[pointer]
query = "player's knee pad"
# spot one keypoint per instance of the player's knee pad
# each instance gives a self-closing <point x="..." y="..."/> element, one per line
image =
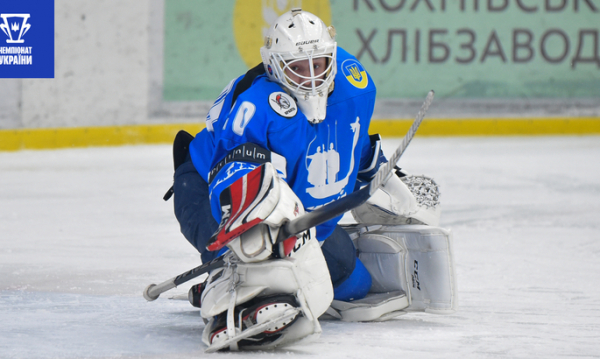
<point x="302" y="275"/>
<point x="415" y="259"/>
<point x="402" y="200"/>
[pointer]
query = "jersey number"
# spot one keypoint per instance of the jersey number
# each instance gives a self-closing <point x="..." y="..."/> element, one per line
<point x="243" y="116"/>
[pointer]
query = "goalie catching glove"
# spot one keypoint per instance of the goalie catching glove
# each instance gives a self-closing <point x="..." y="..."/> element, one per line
<point x="403" y="199"/>
<point x="253" y="209"/>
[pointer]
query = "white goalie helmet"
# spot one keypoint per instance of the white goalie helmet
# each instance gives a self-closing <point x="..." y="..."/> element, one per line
<point x="297" y="36"/>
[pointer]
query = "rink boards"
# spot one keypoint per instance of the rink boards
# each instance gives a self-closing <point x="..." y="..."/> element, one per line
<point x="50" y="138"/>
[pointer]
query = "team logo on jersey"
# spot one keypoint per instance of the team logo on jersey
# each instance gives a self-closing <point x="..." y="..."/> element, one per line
<point x="325" y="167"/>
<point x="355" y="73"/>
<point x="283" y="104"/>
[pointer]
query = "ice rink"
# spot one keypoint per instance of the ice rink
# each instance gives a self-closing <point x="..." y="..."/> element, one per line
<point x="84" y="231"/>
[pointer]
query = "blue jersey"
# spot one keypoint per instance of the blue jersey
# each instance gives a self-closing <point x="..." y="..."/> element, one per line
<point x="320" y="162"/>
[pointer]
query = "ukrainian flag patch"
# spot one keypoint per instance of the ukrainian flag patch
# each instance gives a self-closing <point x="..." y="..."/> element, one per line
<point x="355" y="73"/>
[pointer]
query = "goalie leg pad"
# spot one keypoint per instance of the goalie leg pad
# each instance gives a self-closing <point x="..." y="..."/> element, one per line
<point x="302" y="275"/>
<point x="415" y="259"/>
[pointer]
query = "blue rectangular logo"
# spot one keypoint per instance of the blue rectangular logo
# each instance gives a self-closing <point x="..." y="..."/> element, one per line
<point x="27" y="39"/>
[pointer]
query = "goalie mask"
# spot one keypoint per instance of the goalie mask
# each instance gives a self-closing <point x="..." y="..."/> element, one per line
<point x="300" y="55"/>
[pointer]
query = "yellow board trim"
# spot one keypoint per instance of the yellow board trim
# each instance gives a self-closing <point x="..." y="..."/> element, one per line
<point x="490" y="126"/>
<point x="52" y="138"/>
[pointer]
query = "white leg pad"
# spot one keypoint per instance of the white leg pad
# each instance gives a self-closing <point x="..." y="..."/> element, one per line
<point x="415" y="259"/>
<point x="303" y="275"/>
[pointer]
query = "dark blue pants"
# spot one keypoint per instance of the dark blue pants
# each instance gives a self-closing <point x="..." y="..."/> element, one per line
<point x="192" y="209"/>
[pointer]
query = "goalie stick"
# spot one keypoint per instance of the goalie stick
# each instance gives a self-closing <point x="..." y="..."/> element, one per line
<point x="310" y="219"/>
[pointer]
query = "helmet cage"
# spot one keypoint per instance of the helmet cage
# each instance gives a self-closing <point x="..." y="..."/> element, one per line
<point x="312" y="85"/>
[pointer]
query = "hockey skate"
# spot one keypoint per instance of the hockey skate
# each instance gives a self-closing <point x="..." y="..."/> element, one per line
<point x="267" y="304"/>
<point x="259" y="324"/>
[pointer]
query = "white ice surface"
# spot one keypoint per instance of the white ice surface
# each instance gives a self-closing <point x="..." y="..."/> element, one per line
<point x="83" y="231"/>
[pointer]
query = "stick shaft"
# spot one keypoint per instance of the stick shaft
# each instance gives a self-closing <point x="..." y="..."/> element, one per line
<point x="153" y="291"/>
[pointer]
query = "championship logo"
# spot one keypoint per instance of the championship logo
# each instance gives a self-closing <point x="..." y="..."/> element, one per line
<point x="355" y="74"/>
<point x="15" y="26"/>
<point x="27" y="39"/>
<point x="283" y="104"/>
